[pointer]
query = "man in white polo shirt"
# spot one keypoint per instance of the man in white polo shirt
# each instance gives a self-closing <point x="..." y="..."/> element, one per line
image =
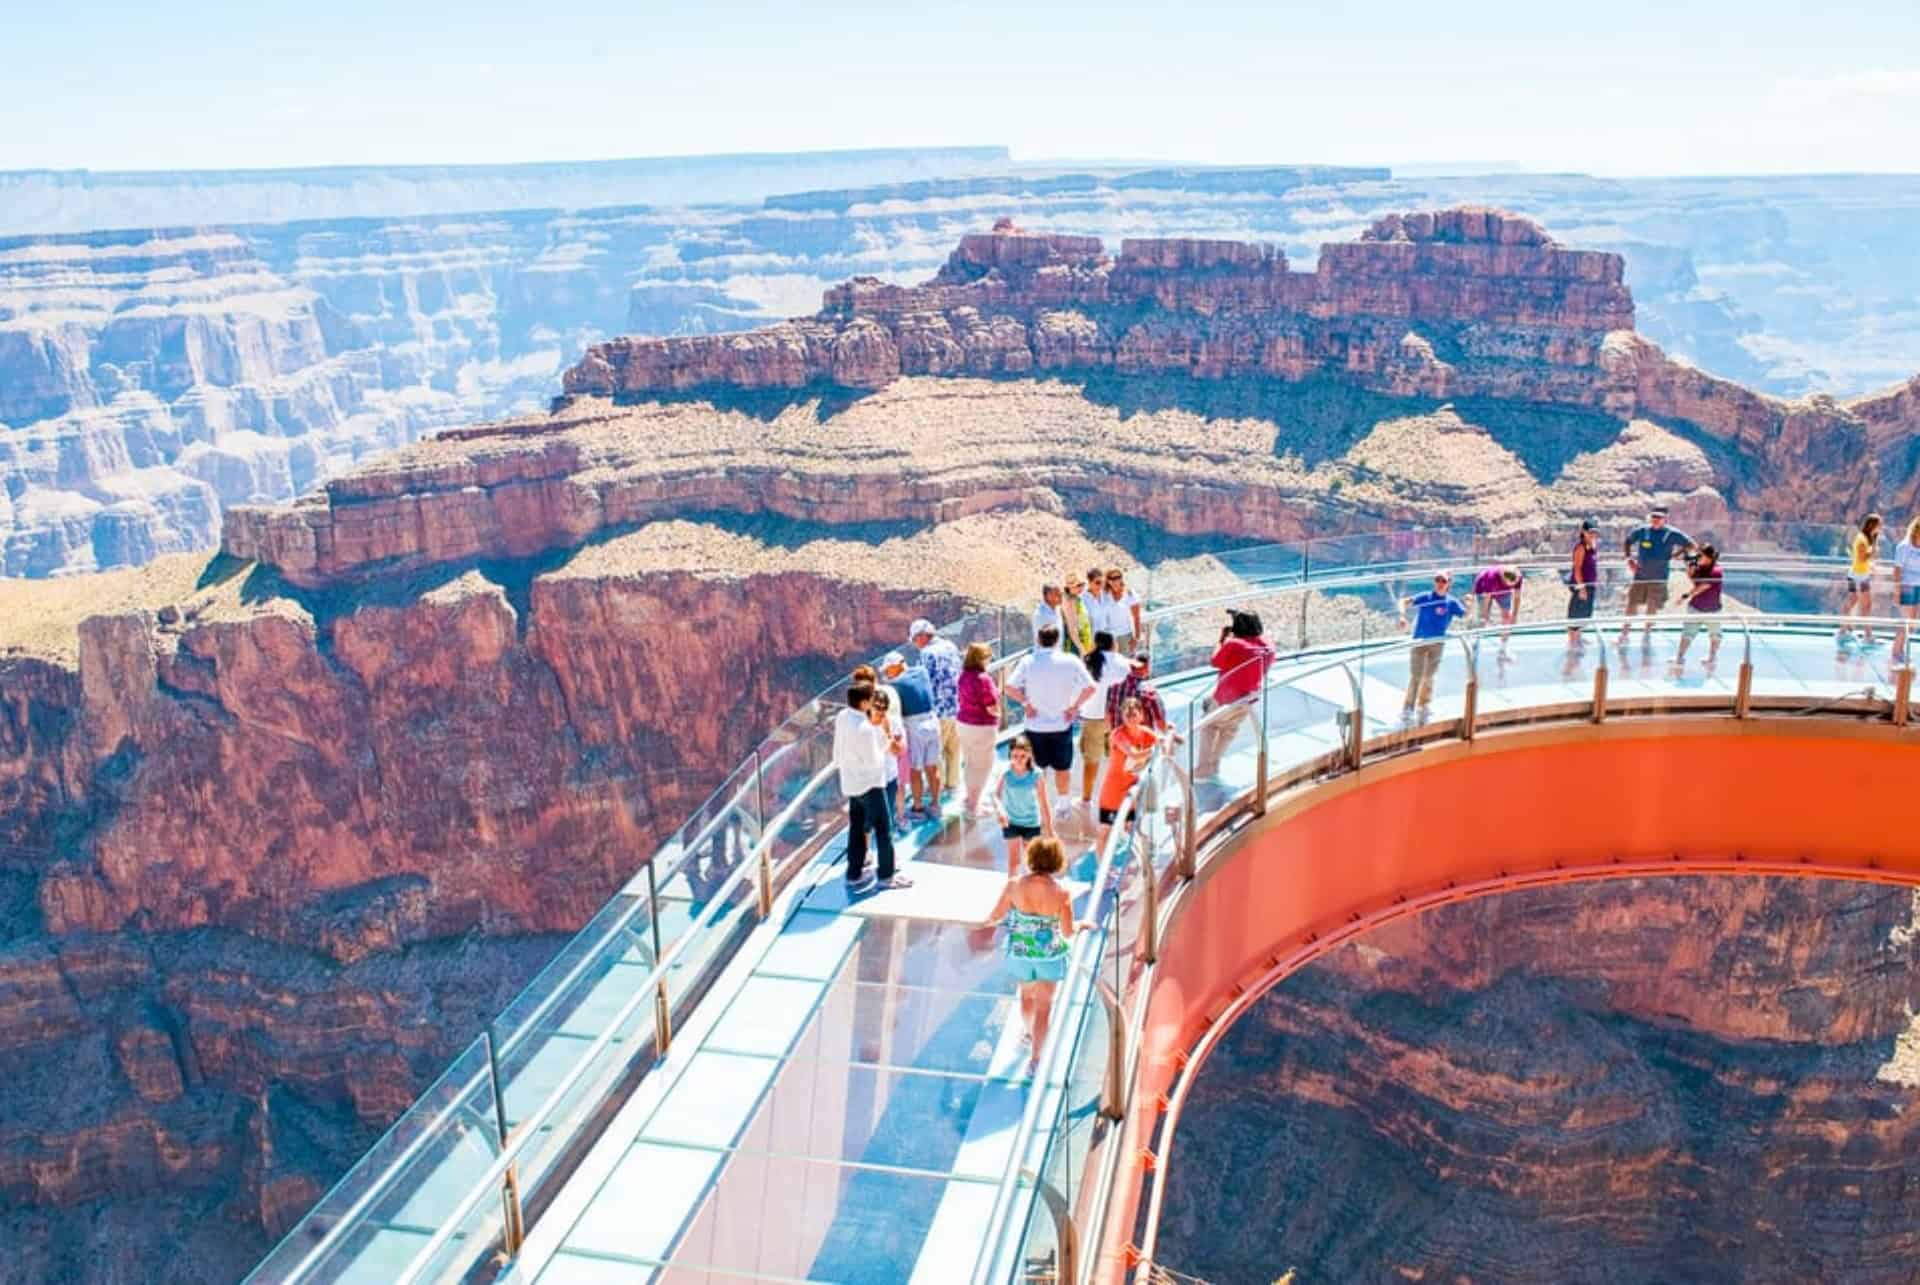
<point x="1053" y="685"/>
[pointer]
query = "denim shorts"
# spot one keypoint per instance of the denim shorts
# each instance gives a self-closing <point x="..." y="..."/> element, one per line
<point x="1052" y="969"/>
<point x="1910" y="595"/>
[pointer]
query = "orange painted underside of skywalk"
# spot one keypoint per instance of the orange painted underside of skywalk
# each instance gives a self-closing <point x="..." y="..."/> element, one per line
<point x="1830" y="799"/>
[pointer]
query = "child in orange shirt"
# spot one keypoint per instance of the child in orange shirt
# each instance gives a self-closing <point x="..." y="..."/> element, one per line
<point x="1129" y="748"/>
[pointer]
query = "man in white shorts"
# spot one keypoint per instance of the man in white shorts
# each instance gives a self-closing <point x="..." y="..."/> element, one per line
<point x="915" y="692"/>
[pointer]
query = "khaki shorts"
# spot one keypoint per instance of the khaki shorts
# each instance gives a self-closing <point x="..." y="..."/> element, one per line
<point x="1094" y="735"/>
<point x="1423" y="662"/>
<point x="1651" y="594"/>
<point x="1695" y="624"/>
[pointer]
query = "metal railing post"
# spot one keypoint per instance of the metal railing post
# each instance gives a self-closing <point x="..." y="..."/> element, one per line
<point x="1470" y="712"/>
<point x="512" y="1216"/>
<point x="765" y="881"/>
<point x="1260" y="756"/>
<point x="1305" y="598"/>
<point x="1600" y="687"/>
<point x="1066" y="1233"/>
<point x="1189" y="829"/>
<point x="1149" y="950"/>
<point x="1357" y="722"/>
<point x="1902" y="695"/>
<point x="662" y="1019"/>
<point x="1743" y="691"/>
<point x="759" y="797"/>
<point x="653" y="909"/>
<point x="1113" y="1091"/>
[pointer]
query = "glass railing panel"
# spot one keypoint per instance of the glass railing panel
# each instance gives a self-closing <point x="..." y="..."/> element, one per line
<point x="372" y="1223"/>
<point x="724" y="921"/>
<point x="458" y="1247"/>
<point x="1306" y="717"/>
<point x="1382" y="551"/>
<point x="1802" y="664"/>
<point x="1212" y="575"/>
<point x="804" y="817"/>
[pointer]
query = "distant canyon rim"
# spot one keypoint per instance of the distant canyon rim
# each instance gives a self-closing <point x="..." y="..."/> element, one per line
<point x="284" y="822"/>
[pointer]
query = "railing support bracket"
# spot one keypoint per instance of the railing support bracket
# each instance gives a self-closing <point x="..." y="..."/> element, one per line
<point x="1113" y="1091"/>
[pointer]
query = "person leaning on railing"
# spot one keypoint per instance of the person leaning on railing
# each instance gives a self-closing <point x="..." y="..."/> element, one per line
<point x="1242" y="659"/>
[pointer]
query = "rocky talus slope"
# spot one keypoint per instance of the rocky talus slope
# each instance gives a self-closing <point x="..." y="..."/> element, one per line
<point x="1697" y="1079"/>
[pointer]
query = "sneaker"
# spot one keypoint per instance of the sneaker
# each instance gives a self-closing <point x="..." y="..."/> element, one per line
<point x="860" y="887"/>
<point x="1872" y="643"/>
<point x="898" y="881"/>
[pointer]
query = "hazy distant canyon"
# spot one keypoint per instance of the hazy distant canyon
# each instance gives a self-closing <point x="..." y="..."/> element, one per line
<point x="151" y="377"/>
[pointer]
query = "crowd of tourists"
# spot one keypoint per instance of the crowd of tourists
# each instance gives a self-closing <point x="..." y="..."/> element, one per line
<point x="915" y="731"/>
<point x="1650" y="551"/>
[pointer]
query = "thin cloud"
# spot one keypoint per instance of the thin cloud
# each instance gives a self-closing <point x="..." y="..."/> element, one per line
<point x="1872" y="83"/>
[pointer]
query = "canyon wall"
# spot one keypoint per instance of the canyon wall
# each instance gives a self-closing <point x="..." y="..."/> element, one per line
<point x="1690" y="1079"/>
<point x="271" y="813"/>
<point x="283" y="328"/>
<point x="268" y="859"/>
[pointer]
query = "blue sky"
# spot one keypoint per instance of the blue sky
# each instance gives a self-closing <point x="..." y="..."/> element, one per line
<point x="1620" y="87"/>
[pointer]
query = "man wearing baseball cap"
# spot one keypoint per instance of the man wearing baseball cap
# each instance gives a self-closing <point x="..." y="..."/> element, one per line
<point x="914" y="690"/>
<point x="941" y="659"/>
<point x="1650" y="550"/>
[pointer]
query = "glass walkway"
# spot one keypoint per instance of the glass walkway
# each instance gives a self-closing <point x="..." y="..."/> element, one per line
<point x="732" y="1074"/>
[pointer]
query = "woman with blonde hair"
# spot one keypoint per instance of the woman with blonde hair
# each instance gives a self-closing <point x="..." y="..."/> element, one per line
<point x="1039" y="916"/>
<point x="1859" y="600"/>
<point x="979" y="721"/>
<point x="1906" y="583"/>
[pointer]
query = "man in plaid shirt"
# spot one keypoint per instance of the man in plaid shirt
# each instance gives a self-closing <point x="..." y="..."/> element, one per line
<point x="1136" y="687"/>
<point x="941" y="659"/>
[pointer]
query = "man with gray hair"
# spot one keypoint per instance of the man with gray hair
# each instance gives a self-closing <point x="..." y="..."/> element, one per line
<point x="915" y="693"/>
<point x="941" y="659"/>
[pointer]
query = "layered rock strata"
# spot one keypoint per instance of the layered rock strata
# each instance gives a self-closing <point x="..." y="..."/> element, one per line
<point x="1453" y="304"/>
<point x="1201" y="386"/>
<point x="1696" y="1079"/>
<point x="268" y="858"/>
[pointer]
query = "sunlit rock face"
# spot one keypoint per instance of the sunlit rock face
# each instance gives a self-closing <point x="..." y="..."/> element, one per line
<point x="150" y="378"/>
<point x="1708" y="1079"/>
<point x="269" y="331"/>
<point x="268" y="860"/>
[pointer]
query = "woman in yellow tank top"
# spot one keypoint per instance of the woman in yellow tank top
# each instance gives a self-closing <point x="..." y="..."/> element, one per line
<point x="1859" y="600"/>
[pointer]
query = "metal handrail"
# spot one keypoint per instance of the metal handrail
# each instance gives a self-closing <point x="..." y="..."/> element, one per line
<point x="1780" y="622"/>
<point x="1306" y="581"/>
<point x="1548" y="567"/>
<point x="346" y="1221"/>
<point x="1051" y="1051"/>
<point x="643" y="993"/>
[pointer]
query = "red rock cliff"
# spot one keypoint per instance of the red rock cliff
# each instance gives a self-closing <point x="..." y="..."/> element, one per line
<point x="1011" y="302"/>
